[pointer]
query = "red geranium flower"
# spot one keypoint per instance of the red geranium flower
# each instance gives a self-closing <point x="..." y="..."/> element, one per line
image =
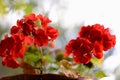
<point x="40" y="38"/>
<point x="85" y="32"/>
<point x="28" y="27"/>
<point x="28" y="40"/>
<point x="31" y="16"/>
<point x="6" y="45"/>
<point x="24" y="26"/>
<point x="69" y="47"/>
<point x="18" y="49"/>
<point x="11" y="46"/>
<point x="44" y="20"/>
<point x="52" y="32"/>
<point x="98" y="50"/>
<point x="26" y="32"/>
<point x="93" y="33"/>
<point x="96" y="35"/>
<point x="10" y="61"/>
<point x="108" y="40"/>
<point x="92" y="39"/>
<point x="14" y="30"/>
<point x="81" y="49"/>
<point x="82" y="57"/>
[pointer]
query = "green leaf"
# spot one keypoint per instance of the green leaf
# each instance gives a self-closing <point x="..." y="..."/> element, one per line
<point x="28" y="9"/>
<point x="3" y="7"/>
<point x="48" y="58"/>
<point x="32" y="57"/>
<point x="53" y="68"/>
<point x="97" y="62"/>
<point x="19" y="4"/>
<point x="100" y="74"/>
<point x="59" y="57"/>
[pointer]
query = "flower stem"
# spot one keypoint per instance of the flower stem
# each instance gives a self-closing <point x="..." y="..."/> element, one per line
<point x="41" y="67"/>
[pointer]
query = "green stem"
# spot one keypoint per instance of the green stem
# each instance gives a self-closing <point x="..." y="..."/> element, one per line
<point x="41" y="67"/>
<point x="41" y="51"/>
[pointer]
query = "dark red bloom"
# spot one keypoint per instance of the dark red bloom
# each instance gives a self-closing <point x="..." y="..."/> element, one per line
<point x="20" y="22"/>
<point x="96" y="35"/>
<point x="40" y="38"/>
<point x="26" y="32"/>
<point x="108" y="40"/>
<point x="85" y="32"/>
<point x="69" y="47"/>
<point x="14" y="30"/>
<point x="10" y="61"/>
<point x="98" y="26"/>
<point x="52" y="33"/>
<point x="98" y="50"/>
<point x="93" y="33"/>
<point x="44" y="20"/>
<point x="28" y="40"/>
<point x="12" y="46"/>
<point x="28" y="27"/>
<point x="19" y="49"/>
<point x="92" y="40"/>
<point x="6" y="45"/>
<point x="83" y="57"/>
<point x="81" y="49"/>
<point x="31" y="16"/>
<point x="25" y="27"/>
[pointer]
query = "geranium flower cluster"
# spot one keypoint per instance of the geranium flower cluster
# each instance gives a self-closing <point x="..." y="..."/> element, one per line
<point x="91" y="40"/>
<point x="30" y="30"/>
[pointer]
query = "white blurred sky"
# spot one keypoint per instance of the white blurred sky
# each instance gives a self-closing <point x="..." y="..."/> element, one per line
<point x="106" y="12"/>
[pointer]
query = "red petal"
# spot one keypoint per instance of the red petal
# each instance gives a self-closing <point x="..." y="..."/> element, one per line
<point x="14" y="30"/>
<point x="52" y="32"/>
<point x="9" y="61"/>
<point x="40" y="38"/>
<point x="22" y="51"/>
<point x="98" y="50"/>
<point x="31" y="16"/>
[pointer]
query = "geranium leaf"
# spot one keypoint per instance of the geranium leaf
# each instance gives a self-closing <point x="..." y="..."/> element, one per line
<point x="32" y="57"/>
<point x="2" y="7"/>
<point x="100" y="74"/>
<point x="97" y="62"/>
<point x="28" y="9"/>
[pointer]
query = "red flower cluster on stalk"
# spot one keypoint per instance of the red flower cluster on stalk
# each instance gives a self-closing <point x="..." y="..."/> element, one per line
<point x="91" y="40"/>
<point x="30" y="30"/>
